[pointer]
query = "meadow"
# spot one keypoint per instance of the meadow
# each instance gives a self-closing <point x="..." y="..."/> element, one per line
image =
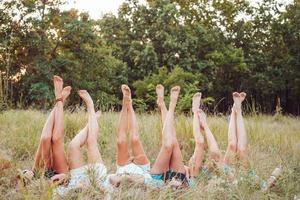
<point x="273" y="140"/>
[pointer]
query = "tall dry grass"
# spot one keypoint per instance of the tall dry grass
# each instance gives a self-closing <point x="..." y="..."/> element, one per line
<point x="272" y="141"/>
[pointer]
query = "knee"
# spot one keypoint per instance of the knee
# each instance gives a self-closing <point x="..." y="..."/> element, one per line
<point x="168" y="146"/>
<point x="232" y="146"/>
<point x="215" y="155"/>
<point x="135" y="139"/>
<point x="46" y="138"/>
<point x="199" y="143"/>
<point x="73" y="146"/>
<point x="56" y="138"/>
<point x="241" y="153"/>
<point x="121" y="141"/>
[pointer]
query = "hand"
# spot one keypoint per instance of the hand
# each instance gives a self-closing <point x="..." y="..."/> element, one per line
<point x="187" y="171"/>
<point x="28" y="174"/>
<point x="58" y="178"/>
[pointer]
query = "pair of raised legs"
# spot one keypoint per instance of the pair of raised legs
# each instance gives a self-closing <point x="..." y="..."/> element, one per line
<point x="87" y="136"/>
<point x="128" y="124"/>
<point x="50" y="153"/>
<point x="195" y="162"/>
<point x="237" y="138"/>
<point x="169" y="157"/>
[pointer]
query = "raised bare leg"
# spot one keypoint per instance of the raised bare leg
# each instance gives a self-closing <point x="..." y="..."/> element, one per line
<point x="138" y="152"/>
<point x="176" y="162"/>
<point x="160" y="102"/>
<point x="162" y="162"/>
<point x="123" y="156"/>
<point x="43" y="155"/>
<point x="74" y="153"/>
<point x="93" y="152"/>
<point x="196" y="160"/>
<point x="59" y="157"/>
<point x="232" y="133"/>
<point x="241" y="131"/>
<point x="213" y="148"/>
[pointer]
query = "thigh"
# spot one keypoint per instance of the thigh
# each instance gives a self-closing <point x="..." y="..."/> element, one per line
<point x="60" y="163"/>
<point x="123" y="157"/>
<point x="176" y="163"/>
<point x="162" y="162"/>
<point x="93" y="153"/>
<point x="140" y="158"/>
<point x="75" y="158"/>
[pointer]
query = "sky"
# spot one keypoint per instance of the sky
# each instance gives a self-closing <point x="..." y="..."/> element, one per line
<point x="97" y="8"/>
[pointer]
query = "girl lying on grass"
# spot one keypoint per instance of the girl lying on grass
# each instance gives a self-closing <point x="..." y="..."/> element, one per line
<point x="237" y="141"/>
<point x="51" y="156"/>
<point x="83" y="175"/>
<point x="237" y="144"/>
<point x="168" y="166"/>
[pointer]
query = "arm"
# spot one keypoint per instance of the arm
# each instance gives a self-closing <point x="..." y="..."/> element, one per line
<point x="59" y="179"/>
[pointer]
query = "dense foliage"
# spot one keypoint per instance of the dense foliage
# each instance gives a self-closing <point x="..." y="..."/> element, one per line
<point x="214" y="47"/>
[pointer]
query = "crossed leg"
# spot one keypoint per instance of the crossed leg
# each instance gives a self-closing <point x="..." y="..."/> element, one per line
<point x="93" y="153"/>
<point x="87" y="135"/>
<point x="74" y="153"/>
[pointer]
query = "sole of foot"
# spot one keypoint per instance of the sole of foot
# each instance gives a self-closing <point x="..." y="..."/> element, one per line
<point x="196" y="101"/>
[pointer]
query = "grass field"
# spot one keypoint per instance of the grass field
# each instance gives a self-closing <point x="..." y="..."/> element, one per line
<point x="273" y="140"/>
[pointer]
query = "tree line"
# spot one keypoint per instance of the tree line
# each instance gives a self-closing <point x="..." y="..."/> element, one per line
<point x="214" y="47"/>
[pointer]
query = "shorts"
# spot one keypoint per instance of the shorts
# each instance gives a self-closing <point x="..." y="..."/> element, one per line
<point x="169" y="175"/>
<point x="143" y="170"/>
<point x="133" y="168"/>
<point x="84" y="175"/>
<point x="177" y="175"/>
<point x="49" y="173"/>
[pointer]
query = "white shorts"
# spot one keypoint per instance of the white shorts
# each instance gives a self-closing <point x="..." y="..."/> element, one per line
<point x="133" y="168"/>
<point x="84" y="176"/>
<point x="143" y="170"/>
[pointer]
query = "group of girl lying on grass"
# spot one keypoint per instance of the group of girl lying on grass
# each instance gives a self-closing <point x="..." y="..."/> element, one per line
<point x="70" y="171"/>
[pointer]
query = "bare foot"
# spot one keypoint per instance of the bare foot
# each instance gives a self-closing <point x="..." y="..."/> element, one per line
<point x="236" y="97"/>
<point x="126" y="92"/>
<point x="66" y="92"/>
<point x="174" y="94"/>
<point x="173" y="97"/>
<point x="237" y="101"/>
<point x="160" y="94"/>
<point x="86" y="98"/>
<point x="58" y="86"/>
<point x="196" y="102"/>
<point x="202" y="118"/>
<point x="242" y="96"/>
